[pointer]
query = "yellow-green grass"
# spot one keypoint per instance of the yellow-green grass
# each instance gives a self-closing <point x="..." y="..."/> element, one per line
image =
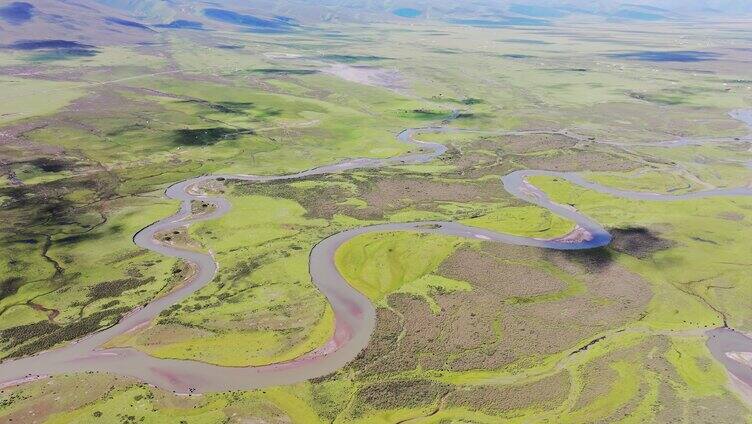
<point x="237" y="348"/>
<point x="109" y="254"/>
<point x="106" y="253"/>
<point x="426" y="286"/>
<point x="622" y="390"/>
<point x="650" y="181"/>
<point x="379" y="264"/>
<point x="542" y="92"/>
<point x="715" y="164"/>
<point x="110" y="63"/>
<point x="700" y="374"/>
<point x="23" y="98"/>
<point x="30" y="174"/>
<point x="263" y="307"/>
<point x="101" y="275"/>
<point x="20" y="314"/>
<point x="526" y="221"/>
<point x="293" y="132"/>
<point x="702" y="269"/>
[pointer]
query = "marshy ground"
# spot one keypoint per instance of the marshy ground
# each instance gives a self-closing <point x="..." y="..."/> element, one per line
<point x="468" y="331"/>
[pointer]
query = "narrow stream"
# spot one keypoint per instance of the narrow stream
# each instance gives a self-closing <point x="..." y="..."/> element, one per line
<point x="355" y="316"/>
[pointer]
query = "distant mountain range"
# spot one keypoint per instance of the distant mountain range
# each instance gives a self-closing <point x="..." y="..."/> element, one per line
<point x="114" y="21"/>
<point x="364" y="10"/>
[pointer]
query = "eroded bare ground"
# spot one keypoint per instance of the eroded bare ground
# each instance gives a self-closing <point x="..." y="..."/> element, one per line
<point x="551" y="151"/>
<point x="544" y="394"/>
<point x="179" y="238"/>
<point x="63" y="394"/>
<point x="518" y="312"/>
<point x="514" y="312"/>
<point x="382" y="193"/>
<point x="601" y="375"/>
<point x="369" y="75"/>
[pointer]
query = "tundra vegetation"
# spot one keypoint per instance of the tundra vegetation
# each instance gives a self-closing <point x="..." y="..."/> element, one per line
<point x="467" y="331"/>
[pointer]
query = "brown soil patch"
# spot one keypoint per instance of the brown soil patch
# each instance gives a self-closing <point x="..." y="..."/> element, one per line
<point x="399" y="394"/>
<point x="321" y="201"/>
<point x="543" y="394"/>
<point x="599" y="378"/>
<point x="491" y="327"/>
<point x="383" y="194"/>
<point x="163" y="334"/>
<point x="368" y="75"/>
<point x="536" y="143"/>
<point x="385" y="337"/>
<point x="199" y="209"/>
<point x="731" y="216"/>
<point x="505" y="279"/>
<point x="179" y="238"/>
<point x="396" y="193"/>
<point x="465" y="162"/>
<point x="37" y="401"/>
<point x="577" y="160"/>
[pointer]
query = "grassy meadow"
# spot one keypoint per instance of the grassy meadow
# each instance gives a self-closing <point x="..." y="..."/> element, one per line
<point x="466" y="331"/>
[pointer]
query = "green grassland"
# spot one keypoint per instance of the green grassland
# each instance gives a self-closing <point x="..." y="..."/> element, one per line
<point x="252" y="314"/>
<point x="704" y="283"/>
<point x="90" y="144"/>
<point x="381" y="264"/>
<point x="23" y="98"/>
<point x="245" y="316"/>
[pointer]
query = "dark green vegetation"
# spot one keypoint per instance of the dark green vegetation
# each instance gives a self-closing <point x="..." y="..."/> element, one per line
<point x="467" y="331"/>
<point x="207" y="136"/>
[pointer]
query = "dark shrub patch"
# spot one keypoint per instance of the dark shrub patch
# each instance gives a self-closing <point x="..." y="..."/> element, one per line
<point x="639" y="242"/>
<point x="592" y="259"/>
<point x="115" y="288"/>
<point x="22" y="333"/>
<point x="61" y="54"/>
<point x="9" y="286"/>
<point x="51" y="334"/>
<point x="205" y="136"/>
<point x="516" y="56"/>
<point x="77" y="238"/>
<point x="425" y="114"/>
<point x="224" y="107"/>
<point x="401" y="394"/>
<point x="49" y="50"/>
<point x="471" y="101"/>
<point x="51" y="164"/>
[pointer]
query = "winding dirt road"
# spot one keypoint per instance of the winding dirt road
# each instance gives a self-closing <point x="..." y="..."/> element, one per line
<point x="355" y="316"/>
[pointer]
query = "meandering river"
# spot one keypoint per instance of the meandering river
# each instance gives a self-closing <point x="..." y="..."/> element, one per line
<point x="355" y="316"/>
